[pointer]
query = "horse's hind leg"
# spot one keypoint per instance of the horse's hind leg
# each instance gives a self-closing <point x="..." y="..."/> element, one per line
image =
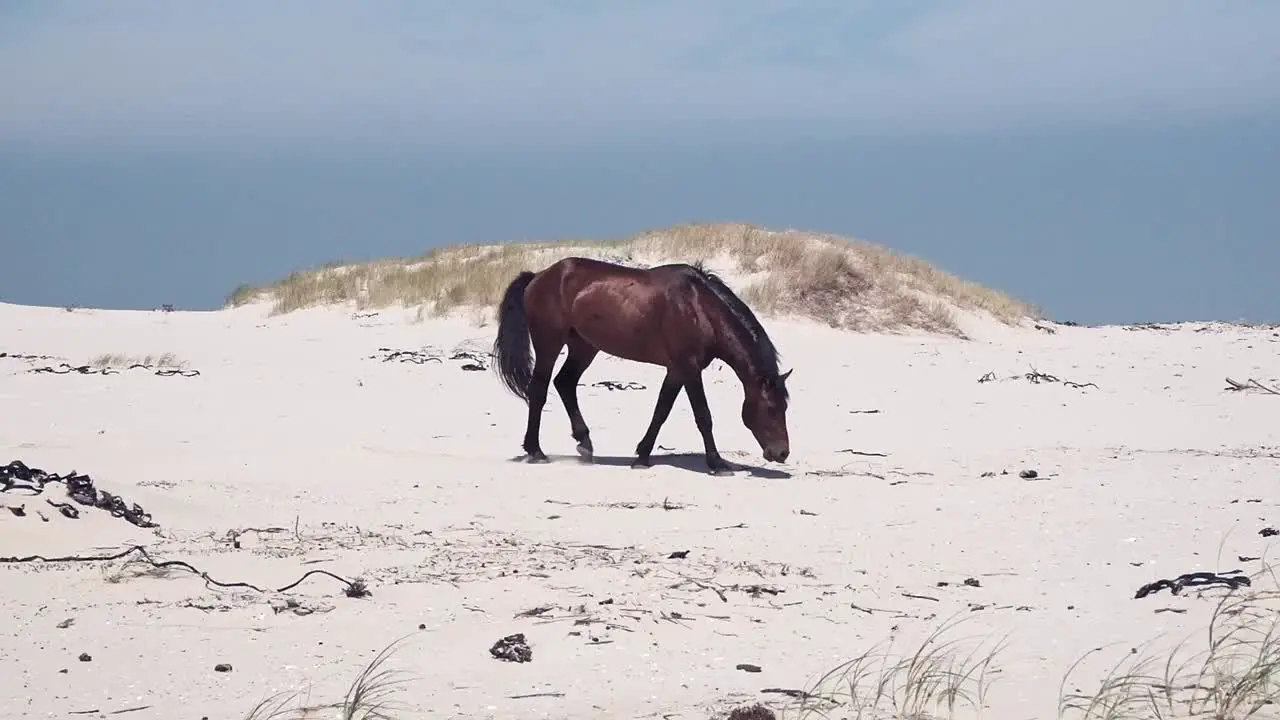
<point x="666" y="399"/>
<point x="546" y="349"/>
<point x="581" y="353"/>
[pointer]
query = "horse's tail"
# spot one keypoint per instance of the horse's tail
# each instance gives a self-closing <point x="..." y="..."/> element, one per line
<point x="512" y="355"/>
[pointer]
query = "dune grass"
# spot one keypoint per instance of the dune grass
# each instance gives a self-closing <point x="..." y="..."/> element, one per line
<point x="841" y="282"/>
<point x="119" y="361"/>
<point x="371" y="696"/>
<point x="939" y="677"/>
<point x="1235" y="673"/>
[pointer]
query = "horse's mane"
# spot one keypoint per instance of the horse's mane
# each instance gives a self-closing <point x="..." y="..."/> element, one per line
<point x="758" y="343"/>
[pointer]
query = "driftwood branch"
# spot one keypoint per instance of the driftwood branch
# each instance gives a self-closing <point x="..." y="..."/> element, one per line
<point x="864" y="453"/>
<point x="66" y="368"/>
<point x="474" y="361"/>
<point x="1036" y="377"/>
<point x="1249" y="384"/>
<point x="618" y="385"/>
<point x="1232" y="579"/>
<point x="354" y="588"/>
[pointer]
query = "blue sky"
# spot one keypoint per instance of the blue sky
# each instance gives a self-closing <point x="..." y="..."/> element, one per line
<point x="1109" y="161"/>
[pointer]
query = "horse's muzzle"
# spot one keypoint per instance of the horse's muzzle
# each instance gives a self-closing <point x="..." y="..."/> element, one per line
<point x="778" y="455"/>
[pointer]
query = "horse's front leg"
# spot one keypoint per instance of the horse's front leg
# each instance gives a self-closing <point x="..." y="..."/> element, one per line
<point x="702" y="416"/>
<point x="666" y="399"/>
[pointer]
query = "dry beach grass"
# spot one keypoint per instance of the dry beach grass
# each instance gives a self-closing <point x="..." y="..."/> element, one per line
<point x="844" y="283"/>
<point x="119" y="361"/>
<point x="905" y="563"/>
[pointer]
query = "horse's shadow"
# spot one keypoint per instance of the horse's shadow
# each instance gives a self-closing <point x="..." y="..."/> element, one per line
<point x="692" y="462"/>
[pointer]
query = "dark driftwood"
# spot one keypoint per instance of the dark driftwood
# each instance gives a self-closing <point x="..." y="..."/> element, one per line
<point x="618" y="385"/>
<point x="1249" y="384"/>
<point x="354" y="588"/>
<point x="18" y="477"/>
<point x="1231" y="580"/>
<point x="65" y="369"/>
<point x="1036" y="377"/>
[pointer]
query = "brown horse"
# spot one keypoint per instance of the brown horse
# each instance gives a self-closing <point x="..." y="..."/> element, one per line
<point x="679" y="316"/>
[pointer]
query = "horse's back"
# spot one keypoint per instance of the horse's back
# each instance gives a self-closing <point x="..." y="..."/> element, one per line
<point x="592" y="268"/>
<point x="619" y="309"/>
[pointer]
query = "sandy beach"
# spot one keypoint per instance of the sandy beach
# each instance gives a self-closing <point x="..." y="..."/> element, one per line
<point x="659" y="593"/>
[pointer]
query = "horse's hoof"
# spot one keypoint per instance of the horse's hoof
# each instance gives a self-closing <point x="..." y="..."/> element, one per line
<point x="720" y="468"/>
<point x="585" y="453"/>
<point x="640" y="465"/>
<point x="539" y="459"/>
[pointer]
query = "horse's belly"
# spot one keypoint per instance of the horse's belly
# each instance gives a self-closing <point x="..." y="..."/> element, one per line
<point x="623" y="340"/>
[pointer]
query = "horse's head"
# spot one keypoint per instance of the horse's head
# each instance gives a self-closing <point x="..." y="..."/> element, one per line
<point x="764" y="412"/>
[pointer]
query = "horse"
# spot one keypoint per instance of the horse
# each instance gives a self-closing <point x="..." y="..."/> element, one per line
<point x="678" y="316"/>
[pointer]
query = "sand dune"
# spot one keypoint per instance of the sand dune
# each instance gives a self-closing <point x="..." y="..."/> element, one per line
<point x="297" y="448"/>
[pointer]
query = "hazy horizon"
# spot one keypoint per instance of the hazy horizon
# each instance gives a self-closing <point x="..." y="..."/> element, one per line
<point x="1108" y="163"/>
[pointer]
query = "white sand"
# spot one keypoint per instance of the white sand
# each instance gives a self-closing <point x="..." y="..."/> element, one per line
<point x="401" y="474"/>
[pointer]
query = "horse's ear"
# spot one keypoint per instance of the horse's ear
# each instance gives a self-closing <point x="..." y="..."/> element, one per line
<point x="783" y="377"/>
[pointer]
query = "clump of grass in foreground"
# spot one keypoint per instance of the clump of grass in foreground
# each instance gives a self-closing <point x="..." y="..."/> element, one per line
<point x="274" y="707"/>
<point x="938" y="678"/>
<point x="1235" y="675"/>
<point x="370" y="696"/>
<point x="838" y="281"/>
<point x="752" y="712"/>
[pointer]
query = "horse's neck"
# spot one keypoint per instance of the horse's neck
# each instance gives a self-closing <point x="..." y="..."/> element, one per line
<point x="737" y="355"/>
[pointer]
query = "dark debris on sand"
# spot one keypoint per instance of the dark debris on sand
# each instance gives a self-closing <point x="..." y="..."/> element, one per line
<point x="473" y="361"/>
<point x="754" y="712"/>
<point x="512" y="648"/>
<point x="18" y="477"/>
